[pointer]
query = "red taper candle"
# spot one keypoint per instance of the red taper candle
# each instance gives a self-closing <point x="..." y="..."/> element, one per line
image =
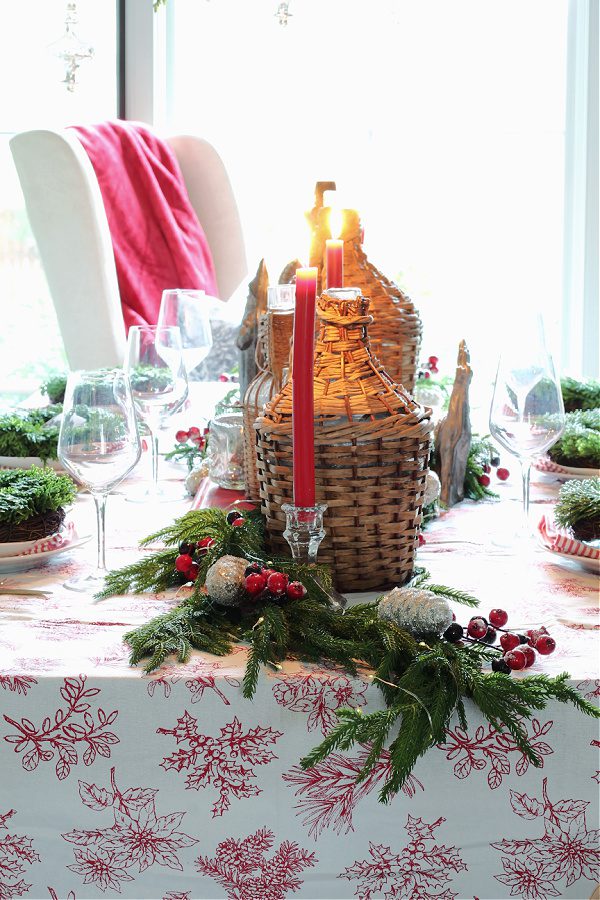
<point x="334" y="263"/>
<point x="303" y="428"/>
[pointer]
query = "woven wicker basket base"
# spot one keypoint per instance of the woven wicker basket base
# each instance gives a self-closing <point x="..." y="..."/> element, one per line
<point x="34" y="528"/>
<point x="371" y="520"/>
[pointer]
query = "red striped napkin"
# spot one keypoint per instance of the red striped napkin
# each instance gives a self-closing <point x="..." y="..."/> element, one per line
<point x="52" y="542"/>
<point x="560" y="541"/>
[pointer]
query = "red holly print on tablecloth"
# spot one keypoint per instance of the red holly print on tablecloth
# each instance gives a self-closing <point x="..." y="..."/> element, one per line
<point x="422" y="870"/>
<point x="200" y="676"/>
<point x="16" y="853"/>
<point x="54" y="895"/>
<point x="566" y="851"/>
<point x="242" y="867"/>
<point x="589" y="689"/>
<point x="71" y="727"/>
<point x="225" y="762"/>
<point x="329" y="793"/>
<point x="18" y="684"/>
<point x="136" y="839"/>
<point x="493" y="747"/>
<point x="178" y="895"/>
<point x="319" y="694"/>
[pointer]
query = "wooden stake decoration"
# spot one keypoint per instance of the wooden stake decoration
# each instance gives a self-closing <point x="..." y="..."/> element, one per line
<point x="256" y="306"/>
<point x="371" y="453"/>
<point x="453" y="433"/>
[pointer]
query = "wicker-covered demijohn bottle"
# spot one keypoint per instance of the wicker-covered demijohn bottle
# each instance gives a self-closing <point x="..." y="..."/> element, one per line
<point x="396" y="330"/>
<point x="371" y="454"/>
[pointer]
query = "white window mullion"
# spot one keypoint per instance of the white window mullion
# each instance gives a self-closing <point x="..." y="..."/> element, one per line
<point x="581" y="314"/>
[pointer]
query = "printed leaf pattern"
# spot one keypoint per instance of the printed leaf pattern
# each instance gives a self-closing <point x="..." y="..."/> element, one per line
<point x="566" y="851"/>
<point x="319" y="695"/>
<point x="200" y="676"/>
<point x="422" y="870"/>
<point x="16" y="853"/>
<point x="17" y="684"/>
<point x="329" y="793"/>
<point x="243" y="869"/>
<point x="137" y="839"/>
<point x="226" y="762"/>
<point x="493" y="748"/>
<point x="71" y="734"/>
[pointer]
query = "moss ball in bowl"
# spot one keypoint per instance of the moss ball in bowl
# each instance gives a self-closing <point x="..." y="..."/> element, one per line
<point x="578" y="509"/>
<point x="32" y="503"/>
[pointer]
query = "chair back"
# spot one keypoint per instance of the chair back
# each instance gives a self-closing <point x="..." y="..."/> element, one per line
<point x="69" y="223"/>
<point x="70" y="227"/>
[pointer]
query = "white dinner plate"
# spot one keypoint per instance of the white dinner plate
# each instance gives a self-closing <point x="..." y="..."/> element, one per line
<point x="21" y="563"/>
<point x="569" y="473"/>
<point x="590" y="565"/>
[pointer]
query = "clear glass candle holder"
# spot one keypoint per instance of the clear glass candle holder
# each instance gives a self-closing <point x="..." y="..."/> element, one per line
<point x="281" y="297"/>
<point x="304" y="532"/>
<point x="226" y="449"/>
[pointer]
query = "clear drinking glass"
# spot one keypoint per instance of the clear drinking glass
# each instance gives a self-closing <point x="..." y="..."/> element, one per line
<point x="226" y="448"/>
<point x="190" y="312"/>
<point x="527" y="414"/>
<point x="159" y="387"/>
<point x="98" y="445"/>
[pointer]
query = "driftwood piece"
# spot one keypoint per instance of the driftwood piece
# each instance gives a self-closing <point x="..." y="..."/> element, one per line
<point x="256" y="306"/>
<point x="288" y="273"/>
<point x="453" y="434"/>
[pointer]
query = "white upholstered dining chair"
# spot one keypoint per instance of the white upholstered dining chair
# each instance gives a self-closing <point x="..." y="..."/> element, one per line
<point x="69" y="224"/>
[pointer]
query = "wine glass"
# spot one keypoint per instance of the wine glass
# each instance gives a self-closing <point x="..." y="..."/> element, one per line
<point x="159" y="386"/>
<point x="190" y="312"/>
<point x="527" y="414"/>
<point x="98" y="445"/>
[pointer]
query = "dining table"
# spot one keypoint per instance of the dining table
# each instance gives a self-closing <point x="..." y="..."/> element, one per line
<point x="171" y="785"/>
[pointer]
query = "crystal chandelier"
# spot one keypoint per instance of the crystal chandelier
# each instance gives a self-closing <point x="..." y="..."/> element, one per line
<point x="283" y="12"/>
<point x="70" y="49"/>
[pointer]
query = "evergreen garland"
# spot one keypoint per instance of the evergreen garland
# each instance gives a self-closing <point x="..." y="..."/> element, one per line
<point x="25" y="493"/>
<point x="423" y="679"/>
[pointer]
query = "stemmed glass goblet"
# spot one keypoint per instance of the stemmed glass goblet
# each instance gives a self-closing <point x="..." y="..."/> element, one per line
<point x="159" y="386"/>
<point x="189" y="311"/>
<point x="527" y="414"/>
<point x="98" y="445"/>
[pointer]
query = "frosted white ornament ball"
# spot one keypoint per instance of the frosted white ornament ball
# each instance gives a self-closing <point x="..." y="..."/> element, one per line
<point x="416" y="610"/>
<point x="225" y="580"/>
<point x="433" y="488"/>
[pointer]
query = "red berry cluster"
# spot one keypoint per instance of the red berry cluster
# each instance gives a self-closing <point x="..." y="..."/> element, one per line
<point x="429" y="368"/>
<point x="189" y="552"/>
<point x="193" y="435"/>
<point x="263" y="583"/>
<point x="518" y="650"/>
<point x="501" y="473"/>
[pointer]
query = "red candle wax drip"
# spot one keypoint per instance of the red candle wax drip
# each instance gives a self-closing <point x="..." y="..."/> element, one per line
<point x="303" y="429"/>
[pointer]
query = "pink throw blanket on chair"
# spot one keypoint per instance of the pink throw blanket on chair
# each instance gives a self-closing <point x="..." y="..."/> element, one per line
<point x="157" y="239"/>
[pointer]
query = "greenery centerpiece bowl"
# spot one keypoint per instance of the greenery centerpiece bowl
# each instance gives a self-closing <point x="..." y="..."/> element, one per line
<point x="578" y="509"/>
<point x="32" y="503"/>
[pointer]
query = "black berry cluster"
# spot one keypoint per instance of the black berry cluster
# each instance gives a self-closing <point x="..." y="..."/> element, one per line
<point x="518" y="651"/>
<point x="189" y="553"/>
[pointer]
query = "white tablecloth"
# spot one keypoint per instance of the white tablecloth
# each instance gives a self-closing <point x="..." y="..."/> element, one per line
<point x="173" y="786"/>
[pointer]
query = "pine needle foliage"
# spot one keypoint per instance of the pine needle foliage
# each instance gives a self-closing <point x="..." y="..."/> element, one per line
<point x="578" y="506"/>
<point x="423" y="679"/>
<point x="580" y="394"/>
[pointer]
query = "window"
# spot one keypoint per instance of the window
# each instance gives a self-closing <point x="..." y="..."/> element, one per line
<point x="442" y="123"/>
<point x="34" y="96"/>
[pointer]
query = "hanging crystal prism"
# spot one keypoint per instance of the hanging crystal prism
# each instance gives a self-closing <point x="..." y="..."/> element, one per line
<point x="71" y="49"/>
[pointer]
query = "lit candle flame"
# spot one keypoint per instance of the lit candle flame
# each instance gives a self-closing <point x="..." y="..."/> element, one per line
<point x="336" y="222"/>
